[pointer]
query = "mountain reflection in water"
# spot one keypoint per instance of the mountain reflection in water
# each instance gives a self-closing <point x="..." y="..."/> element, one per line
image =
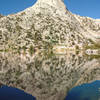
<point x="47" y="77"/>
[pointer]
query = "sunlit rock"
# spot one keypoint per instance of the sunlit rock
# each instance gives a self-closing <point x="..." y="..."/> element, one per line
<point x="45" y="24"/>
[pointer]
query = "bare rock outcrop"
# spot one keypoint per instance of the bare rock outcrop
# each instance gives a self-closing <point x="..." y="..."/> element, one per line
<point x="47" y="23"/>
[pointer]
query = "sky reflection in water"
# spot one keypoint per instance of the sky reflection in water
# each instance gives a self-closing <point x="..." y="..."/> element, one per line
<point x="9" y="93"/>
<point x="85" y="92"/>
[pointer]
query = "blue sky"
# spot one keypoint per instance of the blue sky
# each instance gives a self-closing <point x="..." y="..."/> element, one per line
<point x="89" y="8"/>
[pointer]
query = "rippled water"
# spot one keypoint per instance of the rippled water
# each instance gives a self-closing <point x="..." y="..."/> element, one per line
<point x="48" y="77"/>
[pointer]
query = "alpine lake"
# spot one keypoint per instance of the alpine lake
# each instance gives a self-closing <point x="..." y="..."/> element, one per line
<point x="49" y="76"/>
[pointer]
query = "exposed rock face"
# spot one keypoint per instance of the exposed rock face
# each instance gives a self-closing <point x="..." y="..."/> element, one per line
<point x="92" y="26"/>
<point x="48" y="78"/>
<point x="46" y="23"/>
<point x="55" y="3"/>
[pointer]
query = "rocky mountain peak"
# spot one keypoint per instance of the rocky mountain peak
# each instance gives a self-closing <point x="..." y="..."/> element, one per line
<point x="52" y="2"/>
<point x="47" y="23"/>
<point x="58" y="4"/>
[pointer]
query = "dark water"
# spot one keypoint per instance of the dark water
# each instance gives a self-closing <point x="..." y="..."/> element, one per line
<point x="49" y="77"/>
<point x="89" y="91"/>
<point x="85" y="92"/>
<point x="9" y="93"/>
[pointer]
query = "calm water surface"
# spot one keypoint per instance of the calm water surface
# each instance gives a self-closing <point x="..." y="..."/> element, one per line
<point x="49" y="77"/>
<point x="85" y="92"/>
